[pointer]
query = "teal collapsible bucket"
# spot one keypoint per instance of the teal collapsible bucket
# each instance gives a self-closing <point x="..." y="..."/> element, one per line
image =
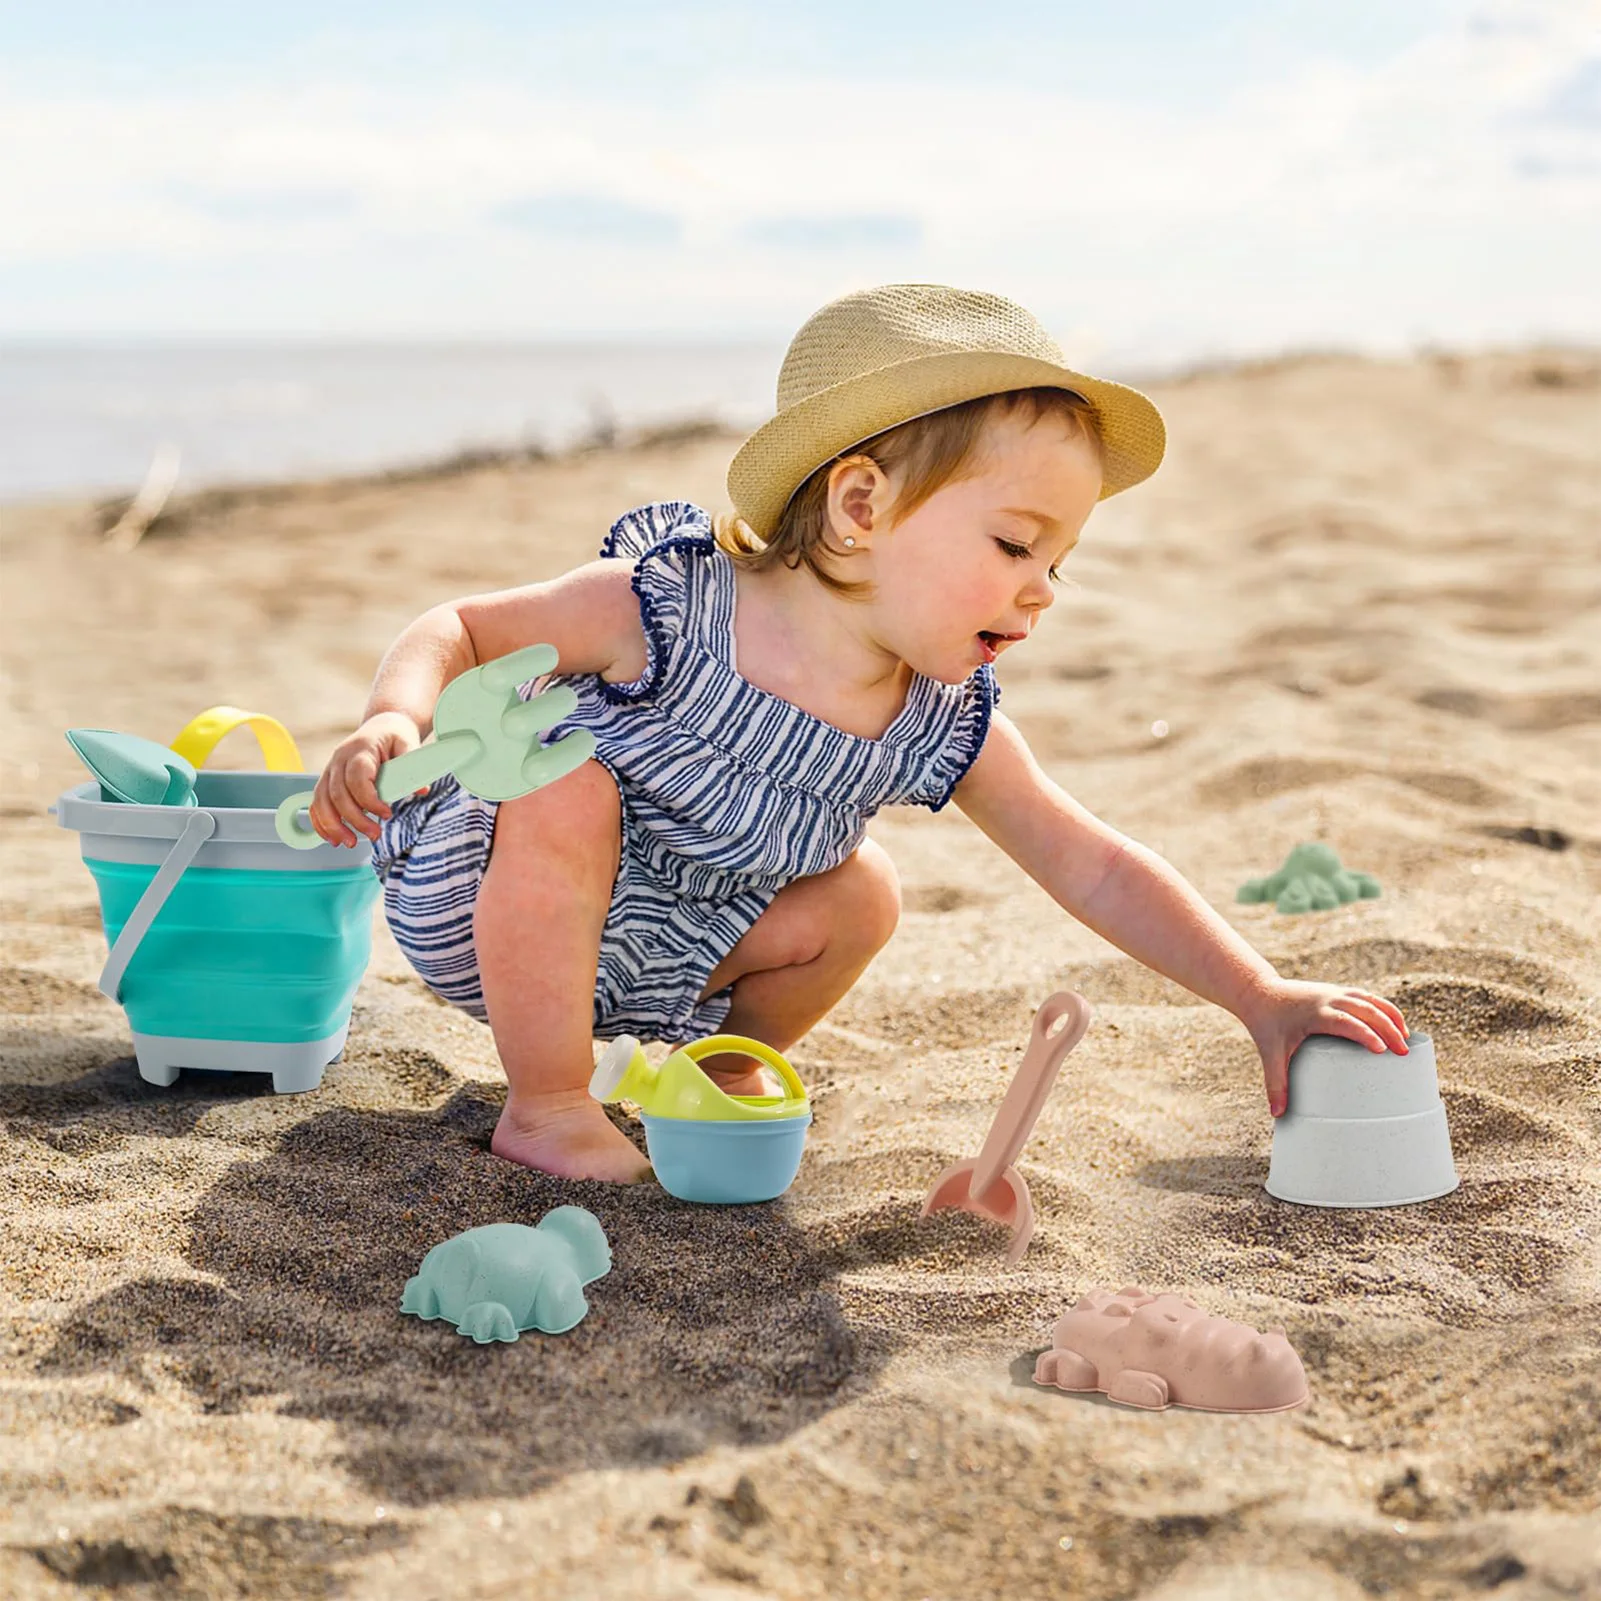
<point x="229" y="950"/>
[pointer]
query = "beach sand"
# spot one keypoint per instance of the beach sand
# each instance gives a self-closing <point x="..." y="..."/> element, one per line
<point x="1360" y="603"/>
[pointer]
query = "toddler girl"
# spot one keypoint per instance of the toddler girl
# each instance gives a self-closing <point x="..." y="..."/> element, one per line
<point x="759" y="685"/>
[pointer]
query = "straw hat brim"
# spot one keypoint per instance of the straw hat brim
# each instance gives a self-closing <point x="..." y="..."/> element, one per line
<point x="778" y="458"/>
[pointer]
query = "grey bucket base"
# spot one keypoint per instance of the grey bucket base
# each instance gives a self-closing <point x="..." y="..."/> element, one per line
<point x="1362" y="1162"/>
<point x="1359" y="1206"/>
<point x="294" y="1068"/>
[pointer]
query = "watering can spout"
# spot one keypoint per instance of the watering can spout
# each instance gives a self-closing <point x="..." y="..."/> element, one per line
<point x="622" y="1073"/>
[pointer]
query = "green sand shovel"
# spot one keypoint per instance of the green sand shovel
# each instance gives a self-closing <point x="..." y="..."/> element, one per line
<point x="484" y="735"/>
<point x="135" y="770"/>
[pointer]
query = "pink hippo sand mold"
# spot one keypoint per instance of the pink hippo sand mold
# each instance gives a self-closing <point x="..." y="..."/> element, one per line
<point x="1155" y="1351"/>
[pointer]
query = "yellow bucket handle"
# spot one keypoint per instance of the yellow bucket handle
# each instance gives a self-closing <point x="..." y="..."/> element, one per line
<point x="204" y="733"/>
<point x="718" y="1043"/>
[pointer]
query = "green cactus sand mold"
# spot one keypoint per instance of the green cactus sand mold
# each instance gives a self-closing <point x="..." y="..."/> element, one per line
<point x="493" y="1282"/>
<point x="483" y="734"/>
<point x="1311" y="880"/>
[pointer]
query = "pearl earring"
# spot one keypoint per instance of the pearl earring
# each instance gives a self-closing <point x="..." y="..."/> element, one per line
<point x="849" y="542"/>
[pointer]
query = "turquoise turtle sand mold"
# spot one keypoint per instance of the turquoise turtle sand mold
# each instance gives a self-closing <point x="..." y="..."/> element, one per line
<point x="484" y="735"/>
<point x="493" y="1282"/>
<point x="1311" y="880"/>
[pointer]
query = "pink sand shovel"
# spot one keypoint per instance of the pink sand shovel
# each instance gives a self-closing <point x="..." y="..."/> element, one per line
<point x="989" y="1186"/>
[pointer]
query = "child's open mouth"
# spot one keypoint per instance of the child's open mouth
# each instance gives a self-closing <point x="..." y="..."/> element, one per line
<point x="990" y="642"/>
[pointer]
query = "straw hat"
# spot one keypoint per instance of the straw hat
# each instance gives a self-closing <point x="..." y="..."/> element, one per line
<point x="884" y="356"/>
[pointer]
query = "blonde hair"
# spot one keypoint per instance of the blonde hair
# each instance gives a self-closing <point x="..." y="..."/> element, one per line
<point x="926" y="452"/>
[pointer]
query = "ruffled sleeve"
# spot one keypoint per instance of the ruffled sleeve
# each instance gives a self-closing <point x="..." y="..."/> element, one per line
<point x="966" y="729"/>
<point x="666" y="541"/>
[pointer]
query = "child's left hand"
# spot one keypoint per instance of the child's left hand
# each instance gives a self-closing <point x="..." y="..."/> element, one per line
<point x="1287" y="1011"/>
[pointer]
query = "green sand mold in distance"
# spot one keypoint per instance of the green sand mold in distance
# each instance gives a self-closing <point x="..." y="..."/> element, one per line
<point x="1311" y="880"/>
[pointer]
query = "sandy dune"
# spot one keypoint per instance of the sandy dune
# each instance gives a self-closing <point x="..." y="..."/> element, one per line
<point x="1362" y="601"/>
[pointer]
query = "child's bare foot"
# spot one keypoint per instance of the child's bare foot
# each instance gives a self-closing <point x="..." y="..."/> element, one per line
<point x="567" y="1133"/>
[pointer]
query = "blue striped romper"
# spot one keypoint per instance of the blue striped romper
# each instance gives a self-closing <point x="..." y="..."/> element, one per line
<point x="728" y="793"/>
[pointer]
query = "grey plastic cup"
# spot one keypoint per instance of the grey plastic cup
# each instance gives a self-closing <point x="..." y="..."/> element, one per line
<point x="1362" y="1128"/>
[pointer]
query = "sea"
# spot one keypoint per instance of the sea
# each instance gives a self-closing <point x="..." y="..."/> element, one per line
<point x="88" y="419"/>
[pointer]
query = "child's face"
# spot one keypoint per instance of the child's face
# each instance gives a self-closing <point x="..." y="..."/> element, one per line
<point x="968" y="574"/>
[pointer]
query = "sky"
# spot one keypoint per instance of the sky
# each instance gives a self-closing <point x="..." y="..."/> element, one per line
<point x="1158" y="180"/>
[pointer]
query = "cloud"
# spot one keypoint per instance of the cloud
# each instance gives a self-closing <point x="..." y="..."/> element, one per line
<point x="270" y="204"/>
<point x="1576" y="99"/>
<point x="1536" y="166"/>
<point x="590" y="217"/>
<point x="833" y="233"/>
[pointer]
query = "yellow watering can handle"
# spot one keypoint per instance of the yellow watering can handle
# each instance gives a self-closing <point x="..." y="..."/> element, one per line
<point x="202" y="736"/>
<point x="747" y="1047"/>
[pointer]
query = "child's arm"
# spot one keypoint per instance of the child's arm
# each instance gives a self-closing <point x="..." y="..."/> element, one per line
<point x="591" y="616"/>
<point x="1132" y="897"/>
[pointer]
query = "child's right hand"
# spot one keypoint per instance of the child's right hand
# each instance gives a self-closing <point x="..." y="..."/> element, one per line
<point x="347" y="792"/>
<point x="1287" y="1011"/>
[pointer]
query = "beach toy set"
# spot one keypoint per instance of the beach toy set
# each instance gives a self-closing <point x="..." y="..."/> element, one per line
<point x="704" y="1144"/>
<point x="238" y="938"/>
<point x="237" y="935"/>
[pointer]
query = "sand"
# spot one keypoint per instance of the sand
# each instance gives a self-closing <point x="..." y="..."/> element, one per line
<point x="1361" y="603"/>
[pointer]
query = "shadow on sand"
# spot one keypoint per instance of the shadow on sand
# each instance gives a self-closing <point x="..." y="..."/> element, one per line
<point x="716" y="1324"/>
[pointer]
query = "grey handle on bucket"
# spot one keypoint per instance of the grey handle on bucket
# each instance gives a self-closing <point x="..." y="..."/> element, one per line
<point x="198" y="827"/>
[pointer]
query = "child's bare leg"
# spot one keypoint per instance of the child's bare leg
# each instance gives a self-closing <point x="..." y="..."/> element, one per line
<point x="801" y="956"/>
<point x="537" y="928"/>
